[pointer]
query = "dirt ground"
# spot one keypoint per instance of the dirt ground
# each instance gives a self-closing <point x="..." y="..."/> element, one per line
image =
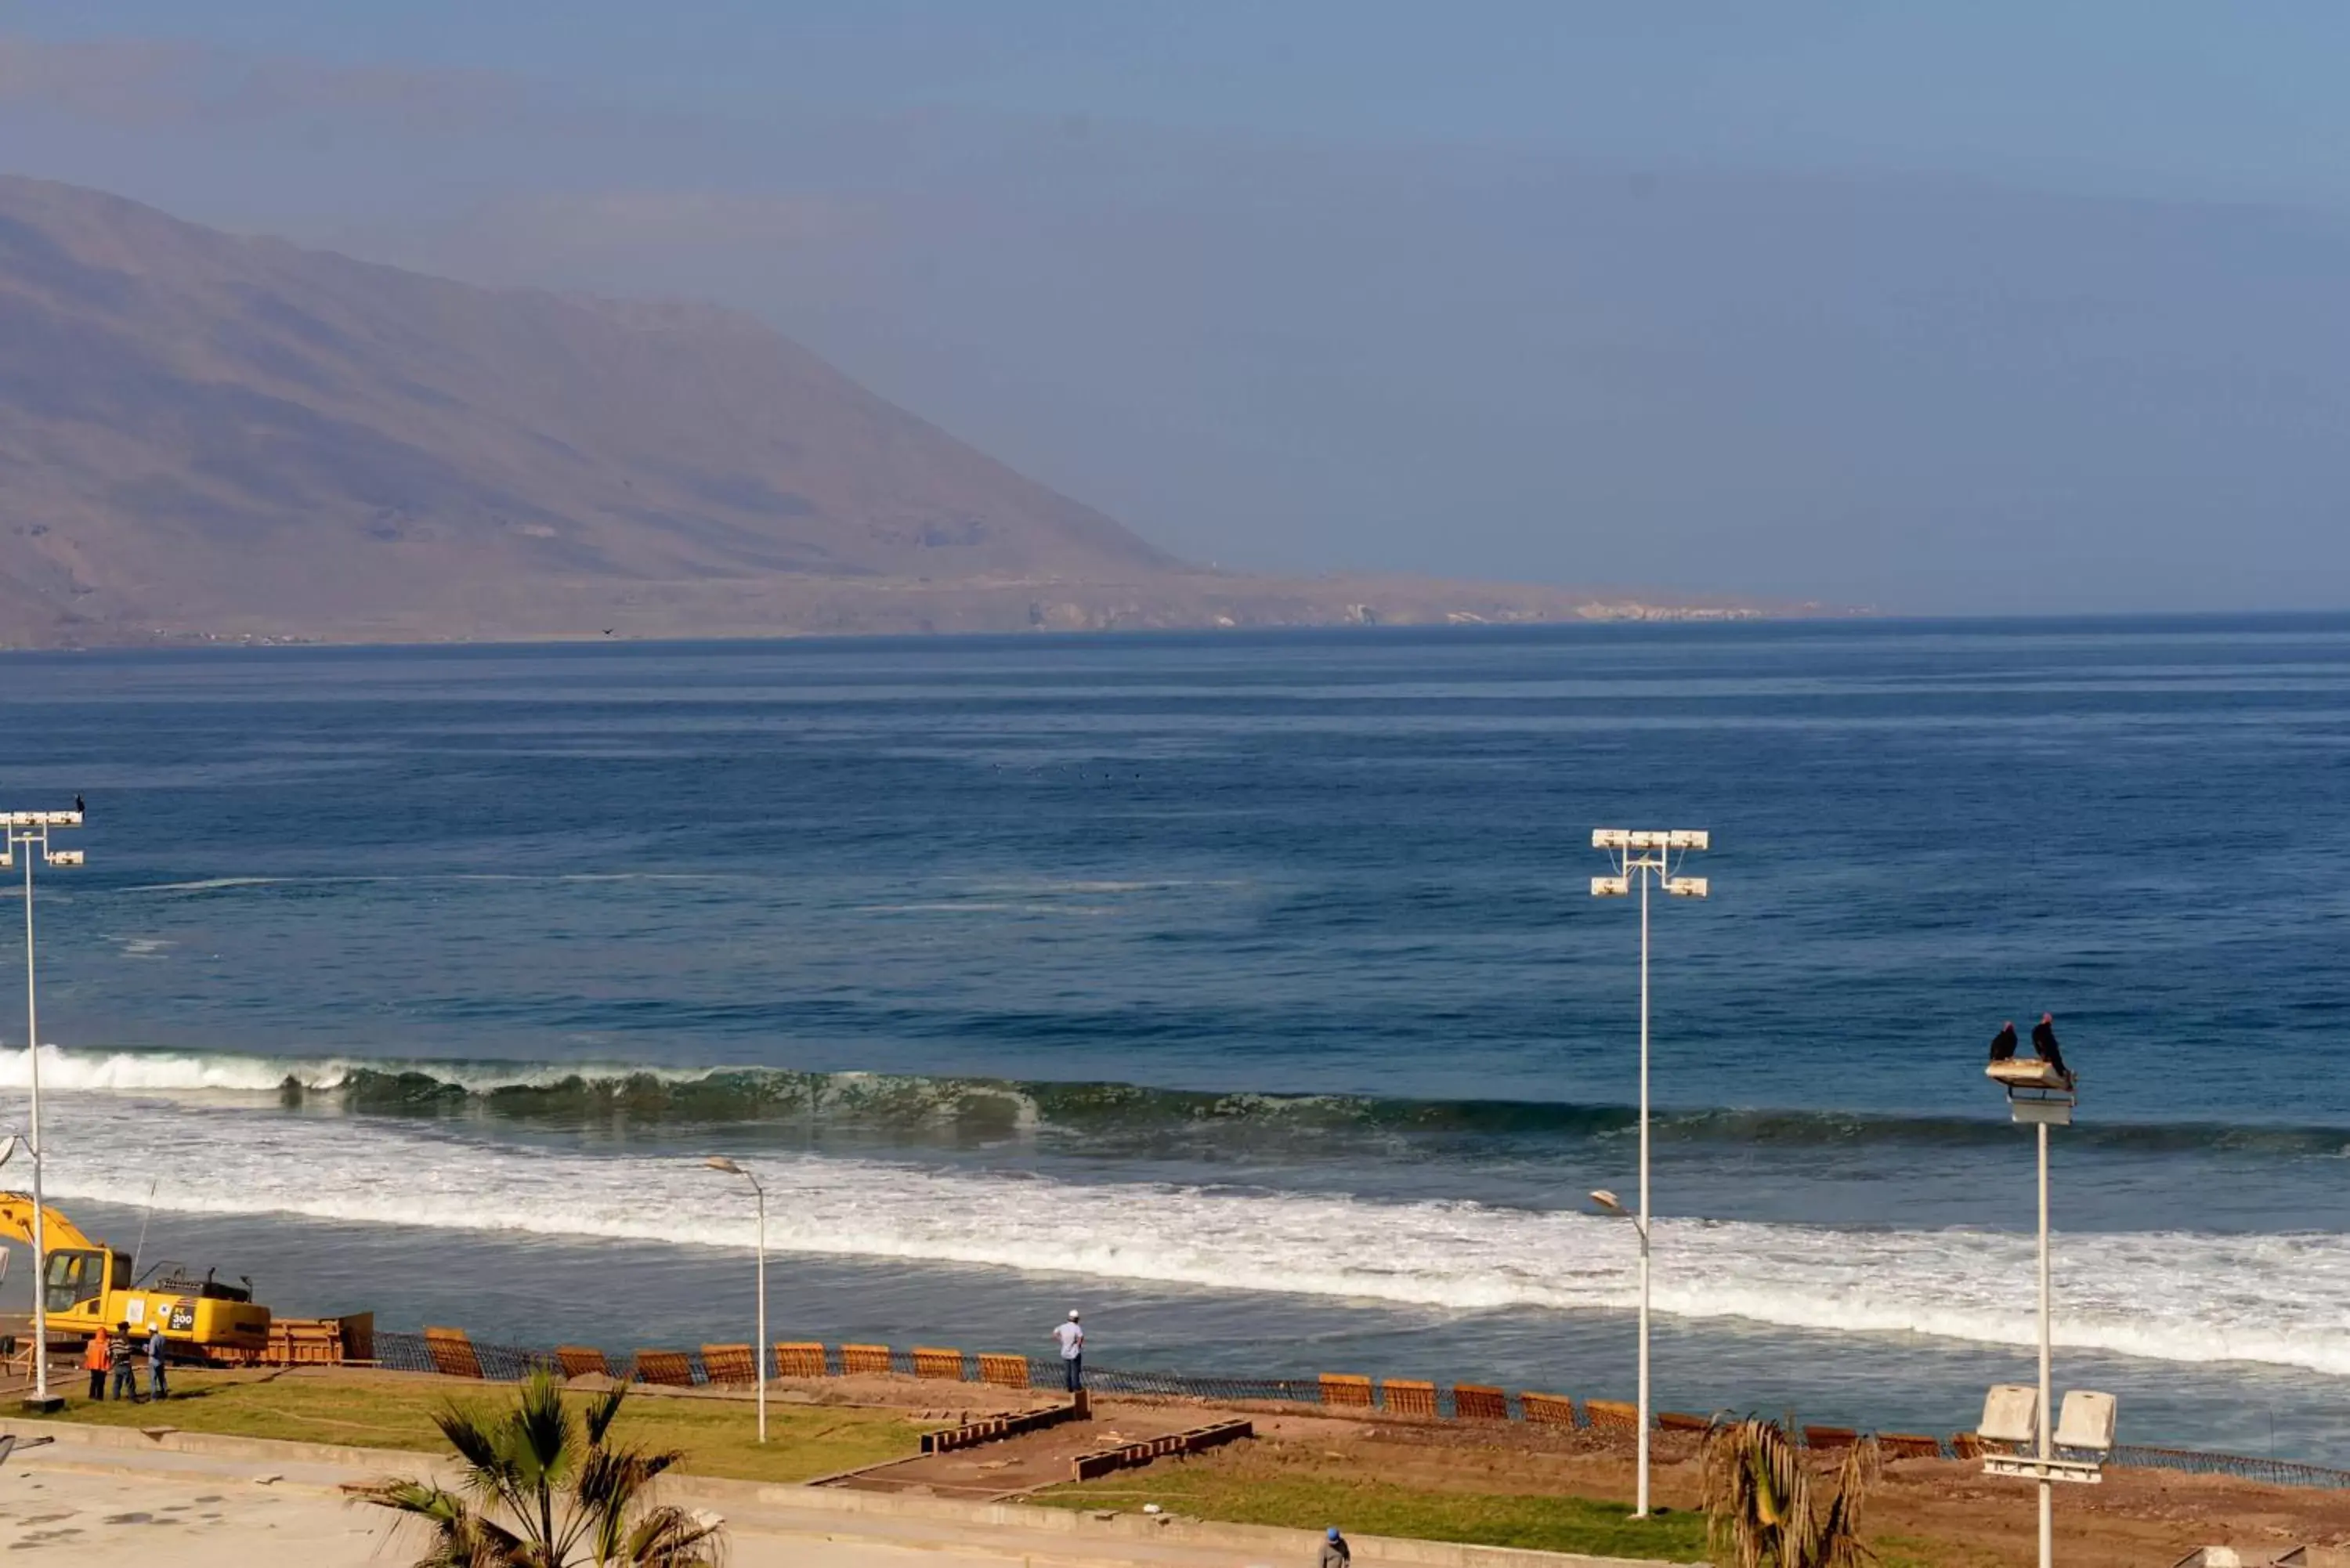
<point x="2134" y="1517"/>
<point x="1941" y="1510"/>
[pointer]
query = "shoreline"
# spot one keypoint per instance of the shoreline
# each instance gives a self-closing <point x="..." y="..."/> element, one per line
<point x="627" y="1295"/>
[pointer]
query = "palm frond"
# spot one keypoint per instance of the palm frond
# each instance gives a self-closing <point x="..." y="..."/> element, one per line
<point x="669" y="1537"/>
<point x="459" y="1536"/>
<point x="477" y="1437"/>
<point x="541" y="1487"/>
<point x="545" y="1435"/>
<point x="1761" y="1509"/>
<point x="601" y="1411"/>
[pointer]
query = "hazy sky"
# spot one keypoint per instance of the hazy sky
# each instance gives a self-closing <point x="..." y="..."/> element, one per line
<point x="1968" y="307"/>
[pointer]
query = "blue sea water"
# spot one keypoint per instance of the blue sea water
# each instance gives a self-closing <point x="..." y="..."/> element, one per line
<point x="1246" y="987"/>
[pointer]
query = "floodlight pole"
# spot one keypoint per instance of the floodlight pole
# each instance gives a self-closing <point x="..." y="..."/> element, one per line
<point x="1641" y="1509"/>
<point x="2047" y="1414"/>
<point x="2044" y="1096"/>
<point x="27" y="834"/>
<point x="1648" y="857"/>
<point x="40" y="1197"/>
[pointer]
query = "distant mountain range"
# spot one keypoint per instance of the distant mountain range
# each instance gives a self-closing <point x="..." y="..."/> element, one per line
<point x="204" y="436"/>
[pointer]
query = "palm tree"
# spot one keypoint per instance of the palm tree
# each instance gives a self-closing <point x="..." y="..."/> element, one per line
<point x="544" y="1488"/>
<point x="1762" y="1511"/>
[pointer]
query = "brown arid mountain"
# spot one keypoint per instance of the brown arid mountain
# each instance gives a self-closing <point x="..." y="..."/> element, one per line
<point x="206" y="436"/>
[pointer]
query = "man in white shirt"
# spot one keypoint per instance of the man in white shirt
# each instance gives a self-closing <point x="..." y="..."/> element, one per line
<point x="1072" y="1337"/>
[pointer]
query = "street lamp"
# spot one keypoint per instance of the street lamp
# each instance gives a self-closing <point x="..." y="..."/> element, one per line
<point x="720" y="1162"/>
<point x="1608" y="1203"/>
<point x="27" y="833"/>
<point x="1646" y="857"/>
<point x="2041" y="1095"/>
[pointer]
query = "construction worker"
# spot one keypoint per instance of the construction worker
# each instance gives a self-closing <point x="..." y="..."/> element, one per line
<point x="95" y="1361"/>
<point x="158" y="1352"/>
<point x="118" y="1355"/>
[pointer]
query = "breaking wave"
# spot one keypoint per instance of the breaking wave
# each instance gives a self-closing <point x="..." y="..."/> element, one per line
<point x="2173" y="1296"/>
<point x="575" y="1094"/>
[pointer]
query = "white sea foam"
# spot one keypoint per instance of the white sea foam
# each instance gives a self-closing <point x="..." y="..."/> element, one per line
<point x="158" y="1071"/>
<point x="2171" y="1295"/>
<point x="170" y="1073"/>
<point x="231" y="884"/>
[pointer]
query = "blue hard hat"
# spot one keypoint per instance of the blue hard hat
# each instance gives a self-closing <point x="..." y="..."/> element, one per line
<point x="1333" y="1533"/>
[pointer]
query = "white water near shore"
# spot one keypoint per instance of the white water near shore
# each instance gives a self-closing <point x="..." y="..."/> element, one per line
<point x="2173" y="1296"/>
<point x="166" y="1072"/>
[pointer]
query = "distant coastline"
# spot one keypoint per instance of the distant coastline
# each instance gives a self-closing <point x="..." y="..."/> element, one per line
<point x="789" y="607"/>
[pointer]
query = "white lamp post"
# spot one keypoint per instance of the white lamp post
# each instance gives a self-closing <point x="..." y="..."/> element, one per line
<point x="27" y="834"/>
<point x="1646" y="857"/>
<point x="759" y="1355"/>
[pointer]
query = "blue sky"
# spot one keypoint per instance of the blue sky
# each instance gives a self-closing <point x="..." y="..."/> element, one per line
<point x="1991" y="307"/>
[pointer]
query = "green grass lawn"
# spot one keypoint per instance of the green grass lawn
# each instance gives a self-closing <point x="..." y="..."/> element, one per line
<point x="1237" y="1494"/>
<point x="387" y="1410"/>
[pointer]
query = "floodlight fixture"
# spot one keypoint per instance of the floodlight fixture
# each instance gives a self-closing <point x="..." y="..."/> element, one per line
<point x="1685" y="887"/>
<point x="2086" y="1421"/>
<point x="2011" y="1414"/>
<point x="1610" y="838"/>
<point x="720" y="1162"/>
<point x="63" y="856"/>
<point x="1609" y="1201"/>
<point x="1611" y="886"/>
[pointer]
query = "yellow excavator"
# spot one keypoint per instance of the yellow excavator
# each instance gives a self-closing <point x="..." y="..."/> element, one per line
<point x="88" y="1286"/>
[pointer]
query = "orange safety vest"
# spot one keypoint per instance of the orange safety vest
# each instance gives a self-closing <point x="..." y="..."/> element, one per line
<point x="94" y="1358"/>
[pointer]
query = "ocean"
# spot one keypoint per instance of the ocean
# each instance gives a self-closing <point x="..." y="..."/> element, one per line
<point x="1243" y="990"/>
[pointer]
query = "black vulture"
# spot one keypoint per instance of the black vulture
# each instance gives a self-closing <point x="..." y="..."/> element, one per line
<point x="2043" y="1044"/>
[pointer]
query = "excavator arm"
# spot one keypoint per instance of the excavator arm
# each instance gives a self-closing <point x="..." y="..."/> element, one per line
<point x="58" y="1233"/>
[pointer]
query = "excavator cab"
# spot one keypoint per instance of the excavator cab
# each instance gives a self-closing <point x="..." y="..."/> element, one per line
<point x="78" y="1279"/>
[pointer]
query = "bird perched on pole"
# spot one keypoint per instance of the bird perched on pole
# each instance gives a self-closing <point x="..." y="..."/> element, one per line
<point x="2003" y="1044"/>
<point x="2043" y="1044"/>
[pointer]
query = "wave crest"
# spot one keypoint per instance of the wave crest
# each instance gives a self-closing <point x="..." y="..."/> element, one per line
<point x="574" y="1094"/>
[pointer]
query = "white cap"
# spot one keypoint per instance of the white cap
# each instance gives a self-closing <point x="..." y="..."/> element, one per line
<point x="1073" y="1314"/>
